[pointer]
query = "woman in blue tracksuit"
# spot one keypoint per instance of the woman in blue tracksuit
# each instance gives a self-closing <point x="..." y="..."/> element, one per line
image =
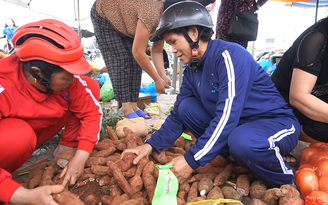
<point x="226" y="100"/>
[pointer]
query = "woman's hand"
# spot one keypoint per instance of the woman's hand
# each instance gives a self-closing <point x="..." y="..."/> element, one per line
<point x="181" y="168"/>
<point x="166" y="80"/>
<point x="160" y="86"/>
<point x="39" y="196"/>
<point x="75" y="168"/>
<point x="140" y="151"/>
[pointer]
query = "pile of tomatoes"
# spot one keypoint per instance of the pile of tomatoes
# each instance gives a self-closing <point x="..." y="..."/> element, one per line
<point x="312" y="176"/>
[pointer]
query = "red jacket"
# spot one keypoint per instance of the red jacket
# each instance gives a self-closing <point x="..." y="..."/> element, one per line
<point x="44" y="110"/>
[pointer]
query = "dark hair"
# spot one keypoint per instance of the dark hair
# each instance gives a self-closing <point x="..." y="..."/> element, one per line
<point x="47" y="69"/>
<point x="206" y="35"/>
<point x="12" y="21"/>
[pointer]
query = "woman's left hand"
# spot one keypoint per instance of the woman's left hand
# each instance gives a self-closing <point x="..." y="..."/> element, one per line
<point x="75" y="168"/>
<point x="181" y="168"/>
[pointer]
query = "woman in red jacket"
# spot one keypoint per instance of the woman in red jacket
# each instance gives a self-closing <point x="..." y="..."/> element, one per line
<point x="40" y="93"/>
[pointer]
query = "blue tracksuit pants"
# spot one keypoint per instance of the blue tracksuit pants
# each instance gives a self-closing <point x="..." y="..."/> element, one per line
<point x="257" y="145"/>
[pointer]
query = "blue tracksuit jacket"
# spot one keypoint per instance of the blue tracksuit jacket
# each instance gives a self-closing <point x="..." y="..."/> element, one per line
<point x="233" y="88"/>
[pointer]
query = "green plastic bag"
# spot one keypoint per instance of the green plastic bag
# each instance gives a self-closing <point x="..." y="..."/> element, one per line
<point x="106" y="91"/>
<point x="167" y="187"/>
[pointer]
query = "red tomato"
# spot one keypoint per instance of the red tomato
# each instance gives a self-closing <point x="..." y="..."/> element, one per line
<point x="317" y="198"/>
<point x="320" y="145"/>
<point x="307" y="153"/>
<point x="323" y="183"/>
<point x="306" y="181"/>
<point x="322" y="168"/>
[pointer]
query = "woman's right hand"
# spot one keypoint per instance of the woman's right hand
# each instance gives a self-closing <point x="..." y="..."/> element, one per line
<point x="141" y="152"/>
<point x="39" y="196"/>
<point x="160" y="86"/>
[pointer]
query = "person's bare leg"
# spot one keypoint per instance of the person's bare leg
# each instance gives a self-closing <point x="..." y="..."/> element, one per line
<point x="303" y="137"/>
<point x="127" y="108"/>
<point x="60" y="150"/>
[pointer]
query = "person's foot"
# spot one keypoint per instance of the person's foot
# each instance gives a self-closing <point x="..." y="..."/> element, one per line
<point x="290" y="159"/>
<point x="143" y="114"/>
<point x="60" y="150"/>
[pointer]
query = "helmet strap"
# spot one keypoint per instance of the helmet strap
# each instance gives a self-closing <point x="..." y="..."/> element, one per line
<point x="44" y="82"/>
<point x="194" y="46"/>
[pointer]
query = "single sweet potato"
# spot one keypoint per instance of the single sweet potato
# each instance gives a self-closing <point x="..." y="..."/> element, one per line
<point x="92" y="199"/>
<point x="198" y="177"/>
<point x="204" y="186"/>
<point x="130" y="172"/>
<point x="230" y="193"/>
<point x="121" y="181"/>
<point x="178" y="150"/>
<point x="219" y="161"/>
<point x="137" y="201"/>
<point x="111" y="134"/>
<point x="115" y="191"/>
<point x="67" y="198"/>
<point x="106" y="199"/>
<point x="96" y="161"/>
<point x="257" y="189"/>
<point x="150" y="185"/>
<point x="215" y="193"/>
<point x="136" y="183"/>
<point x="271" y="196"/>
<point x="149" y="168"/>
<point x="104" y="144"/>
<point x="126" y="162"/>
<point x="141" y="165"/>
<point x="243" y="184"/>
<point x="193" y="192"/>
<point x="209" y="168"/>
<point x="48" y="174"/>
<point x="291" y="197"/>
<point x="120" y="199"/>
<point x="101" y="170"/>
<point x="104" y="152"/>
<point x="160" y="158"/>
<point x="36" y="180"/>
<point x="130" y="138"/>
<point x="180" y="142"/>
<point x="222" y="177"/>
<point x="104" y="181"/>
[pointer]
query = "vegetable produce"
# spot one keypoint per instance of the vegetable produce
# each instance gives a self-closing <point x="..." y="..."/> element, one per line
<point x="306" y="181"/>
<point x="204" y="186"/>
<point x="66" y="198"/>
<point x="222" y="177"/>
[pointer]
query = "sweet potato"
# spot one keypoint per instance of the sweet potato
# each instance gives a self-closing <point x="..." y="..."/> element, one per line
<point x="160" y="158"/>
<point x="139" y="141"/>
<point x="48" y="174"/>
<point x="230" y="193"/>
<point x="136" y="183"/>
<point x="183" y="189"/>
<point x="149" y="168"/>
<point x="104" y="181"/>
<point x="36" y="179"/>
<point x="271" y="196"/>
<point x="180" y="201"/>
<point x="115" y="191"/>
<point x="193" y="192"/>
<point x="187" y="146"/>
<point x="199" y="198"/>
<point x="111" y="134"/>
<point x="101" y="170"/>
<point x="215" y="193"/>
<point x="120" y="199"/>
<point x="121" y="181"/>
<point x="219" y="161"/>
<point x="104" y="152"/>
<point x="141" y="164"/>
<point x="96" y="161"/>
<point x="222" y="177"/>
<point x="178" y="150"/>
<point x="209" y="168"/>
<point x="137" y="201"/>
<point x="130" y="138"/>
<point x="106" y="199"/>
<point x="158" y="123"/>
<point x="257" y="189"/>
<point x="180" y="142"/>
<point x="81" y="183"/>
<point x="120" y="144"/>
<point x="67" y="198"/>
<point x="150" y="185"/>
<point x="130" y="172"/>
<point x="291" y="197"/>
<point x="243" y="184"/>
<point x="247" y="200"/>
<point x="171" y="154"/>
<point x="259" y="202"/>
<point x="126" y="162"/>
<point x="91" y="199"/>
<point x="204" y="186"/>
<point x="87" y="176"/>
<point x="104" y="144"/>
<point x="198" y="177"/>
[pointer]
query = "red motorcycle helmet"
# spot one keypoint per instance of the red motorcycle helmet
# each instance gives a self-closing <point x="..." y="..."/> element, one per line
<point x="51" y="41"/>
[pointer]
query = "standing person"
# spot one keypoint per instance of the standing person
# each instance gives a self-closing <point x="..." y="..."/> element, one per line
<point x="40" y="93"/>
<point x="8" y="31"/>
<point x="224" y="15"/>
<point x="122" y="29"/>
<point x="302" y="78"/>
<point x="226" y="100"/>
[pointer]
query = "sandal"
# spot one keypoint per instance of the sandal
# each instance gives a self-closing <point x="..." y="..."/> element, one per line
<point x="291" y="163"/>
<point x="132" y="115"/>
<point x="143" y="114"/>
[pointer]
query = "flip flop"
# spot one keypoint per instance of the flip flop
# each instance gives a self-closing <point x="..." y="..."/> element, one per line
<point x="143" y="114"/>
<point x="291" y="163"/>
<point x="132" y="115"/>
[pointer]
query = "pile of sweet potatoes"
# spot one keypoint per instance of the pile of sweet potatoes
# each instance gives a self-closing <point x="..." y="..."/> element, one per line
<point x="108" y="179"/>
